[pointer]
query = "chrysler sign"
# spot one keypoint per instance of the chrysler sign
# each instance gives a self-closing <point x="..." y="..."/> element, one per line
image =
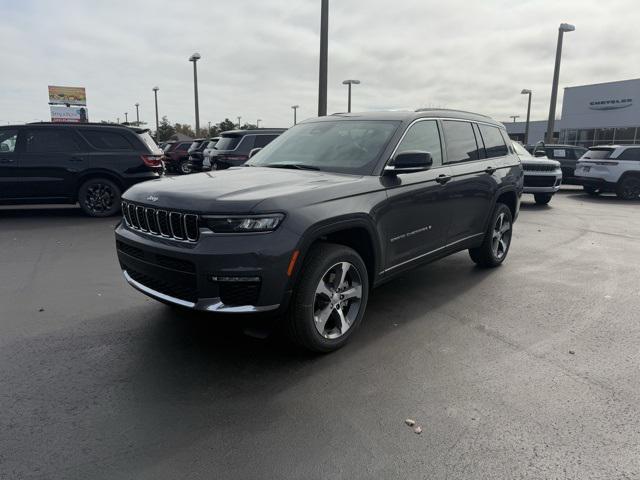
<point x="610" y="104"/>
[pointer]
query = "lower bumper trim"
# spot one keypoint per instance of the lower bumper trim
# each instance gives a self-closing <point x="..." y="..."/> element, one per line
<point x="203" y="304"/>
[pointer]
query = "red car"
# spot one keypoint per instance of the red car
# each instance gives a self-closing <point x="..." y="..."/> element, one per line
<point x="176" y="157"/>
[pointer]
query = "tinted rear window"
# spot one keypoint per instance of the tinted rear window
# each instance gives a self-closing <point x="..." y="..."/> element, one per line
<point x="50" y="140"/>
<point x="228" y="142"/>
<point x="461" y="141"/>
<point x="599" y="153"/>
<point x="107" y="140"/>
<point x="493" y="142"/>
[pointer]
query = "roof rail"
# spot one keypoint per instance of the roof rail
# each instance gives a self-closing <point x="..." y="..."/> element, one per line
<point x="450" y="110"/>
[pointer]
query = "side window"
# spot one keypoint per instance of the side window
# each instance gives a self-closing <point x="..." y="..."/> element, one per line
<point x="263" y="140"/>
<point x="423" y="136"/>
<point x="50" y="140"/>
<point x="493" y="142"/>
<point x="246" y="144"/>
<point x="482" y="153"/>
<point x="8" y="140"/>
<point x="630" y="154"/>
<point x="461" y="142"/>
<point x="107" y="140"/>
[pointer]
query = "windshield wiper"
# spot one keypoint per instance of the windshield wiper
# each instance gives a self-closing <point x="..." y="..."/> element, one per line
<point x="292" y="166"/>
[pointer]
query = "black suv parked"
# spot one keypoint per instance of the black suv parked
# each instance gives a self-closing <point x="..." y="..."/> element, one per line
<point x="567" y="155"/>
<point x="196" y="154"/>
<point x="334" y="206"/>
<point x="66" y="163"/>
<point x="234" y="146"/>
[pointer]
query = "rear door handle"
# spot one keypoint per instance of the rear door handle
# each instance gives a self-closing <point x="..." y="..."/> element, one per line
<point x="76" y="159"/>
<point x="490" y="170"/>
<point x="442" y="179"/>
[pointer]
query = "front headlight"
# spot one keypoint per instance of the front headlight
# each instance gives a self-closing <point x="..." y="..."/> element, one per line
<point x="244" y="224"/>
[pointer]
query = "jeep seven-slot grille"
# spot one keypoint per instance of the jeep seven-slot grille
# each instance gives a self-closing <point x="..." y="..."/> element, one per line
<point x="163" y="223"/>
<point x="538" y="168"/>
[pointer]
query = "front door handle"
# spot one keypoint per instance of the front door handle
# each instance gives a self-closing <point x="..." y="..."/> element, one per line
<point x="490" y="170"/>
<point x="442" y="179"/>
<point x="76" y="159"/>
<point x="7" y="160"/>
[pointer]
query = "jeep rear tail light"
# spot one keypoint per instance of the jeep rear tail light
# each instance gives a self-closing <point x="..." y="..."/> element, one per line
<point x="152" y="160"/>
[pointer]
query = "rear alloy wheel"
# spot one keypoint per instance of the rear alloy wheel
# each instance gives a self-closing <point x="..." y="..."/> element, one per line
<point x="628" y="188"/>
<point x="184" y="168"/>
<point x="542" y="198"/>
<point x="99" y="197"/>
<point x="329" y="300"/>
<point x="593" y="191"/>
<point x="497" y="240"/>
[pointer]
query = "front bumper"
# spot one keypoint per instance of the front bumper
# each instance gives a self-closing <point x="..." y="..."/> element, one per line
<point x="204" y="275"/>
<point x="542" y="182"/>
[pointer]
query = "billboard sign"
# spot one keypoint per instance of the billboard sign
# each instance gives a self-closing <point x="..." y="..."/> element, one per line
<point x="69" y="114"/>
<point x="67" y="95"/>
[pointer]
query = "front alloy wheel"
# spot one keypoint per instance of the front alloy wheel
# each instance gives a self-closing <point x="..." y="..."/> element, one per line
<point x="329" y="298"/>
<point x="337" y="300"/>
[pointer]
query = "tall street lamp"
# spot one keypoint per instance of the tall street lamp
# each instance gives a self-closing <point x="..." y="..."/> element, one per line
<point x="155" y="93"/>
<point x="295" y="110"/>
<point x="239" y="118"/>
<point x="349" y="83"/>
<point x="564" y="27"/>
<point x="126" y="117"/>
<point x="138" y="114"/>
<point x="324" y="44"/>
<point x="258" y="122"/>
<point x="194" y="58"/>
<point x="514" y="117"/>
<point x="526" y="91"/>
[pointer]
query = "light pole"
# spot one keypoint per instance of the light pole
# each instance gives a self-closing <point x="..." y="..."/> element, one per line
<point x="349" y="83"/>
<point x="295" y="110"/>
<point x="155" y="93"/>
<point x="194" y="58"/>
<point x="514" y="117"/>
<point x="126" y="117"/>
<point x="137" y="114"/>
<point x="324" y="41"/>
<point x="526" y="91"/>
<point x="258" y="122"/>
<point x="239" y="118"/>
<point x="209" y="132"/>
<point x="564" y="27"/>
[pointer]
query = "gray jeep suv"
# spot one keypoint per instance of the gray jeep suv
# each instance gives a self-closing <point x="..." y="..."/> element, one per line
<point x="331" y="208"/>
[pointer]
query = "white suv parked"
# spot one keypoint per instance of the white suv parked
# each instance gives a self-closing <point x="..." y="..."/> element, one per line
<point x="611" y="168"/>
<point x="542" y="177"/>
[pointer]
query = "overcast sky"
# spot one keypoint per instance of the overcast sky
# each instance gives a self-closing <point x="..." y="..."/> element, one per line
<point x="259" y="57"/>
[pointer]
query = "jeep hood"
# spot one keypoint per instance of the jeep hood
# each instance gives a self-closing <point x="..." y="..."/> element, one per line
<point x="244" y="189"/>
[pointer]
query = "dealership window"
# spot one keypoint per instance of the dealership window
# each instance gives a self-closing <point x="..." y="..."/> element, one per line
<point x="603" y="135"/>
<point x="625" y="135"/>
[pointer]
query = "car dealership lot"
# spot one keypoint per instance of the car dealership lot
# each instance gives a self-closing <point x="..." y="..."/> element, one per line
<point x="528" y="370"/>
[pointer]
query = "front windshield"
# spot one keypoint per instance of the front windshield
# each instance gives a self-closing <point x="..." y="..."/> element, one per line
<point x="520" y="150"/>
<point x="344" y="146"/>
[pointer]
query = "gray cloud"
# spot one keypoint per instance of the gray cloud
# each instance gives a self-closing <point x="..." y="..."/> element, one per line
<point x="260" y="57"/>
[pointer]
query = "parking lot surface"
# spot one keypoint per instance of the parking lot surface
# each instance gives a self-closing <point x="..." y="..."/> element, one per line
<point x="530" y="370"/>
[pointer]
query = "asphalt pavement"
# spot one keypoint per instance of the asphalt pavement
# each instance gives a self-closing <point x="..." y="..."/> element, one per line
<point x="530" y="370"/>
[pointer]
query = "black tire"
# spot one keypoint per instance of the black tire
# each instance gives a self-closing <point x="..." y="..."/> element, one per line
<point x="542" y="198"/>
<point x="99" y="197"/>
<point x="589" y="190"/>
<point x="300" y="319"/>
<point x="184" y="168"/>
<point x="487" y="255"/>
<point x="628" y="188"/>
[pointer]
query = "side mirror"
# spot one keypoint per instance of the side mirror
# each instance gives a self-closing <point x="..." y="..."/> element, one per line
<point x="253" y="151"/>
<point x="409" y="161"/>
<point x="539" y="153"/>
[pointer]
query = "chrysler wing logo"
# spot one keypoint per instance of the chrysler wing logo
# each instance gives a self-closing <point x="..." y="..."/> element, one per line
<point x="611" y="104"/>
<point x="152" y="198"/>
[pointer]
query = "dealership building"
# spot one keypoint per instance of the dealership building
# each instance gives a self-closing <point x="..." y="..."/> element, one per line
<point x="602" y="113"/>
